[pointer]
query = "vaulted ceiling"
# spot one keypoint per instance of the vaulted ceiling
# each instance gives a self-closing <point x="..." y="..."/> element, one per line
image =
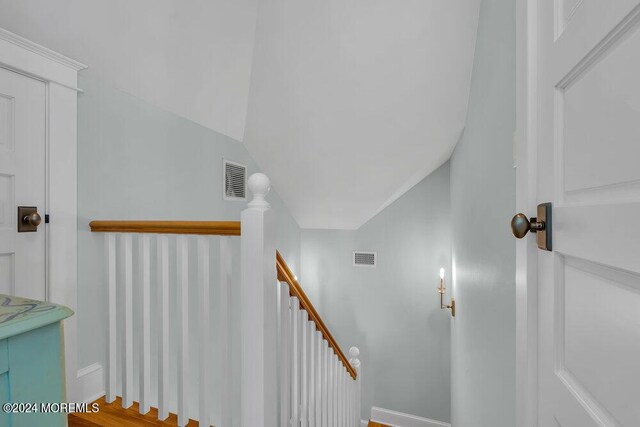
<point x="345" y="104"/>
<point x="353" y="102"/>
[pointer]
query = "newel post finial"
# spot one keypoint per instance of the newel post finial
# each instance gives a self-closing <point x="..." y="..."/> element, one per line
<point x="259" y="184"/>
<point x="354" y="352"/>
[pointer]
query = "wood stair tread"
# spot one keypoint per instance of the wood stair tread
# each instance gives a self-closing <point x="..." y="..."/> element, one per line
<point x="113" y="414"/>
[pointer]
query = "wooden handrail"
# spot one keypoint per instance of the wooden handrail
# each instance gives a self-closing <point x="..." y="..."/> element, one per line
<point x="295" y="290"/>
<point x="220" y="228"/>
<point x="226" y="228"/>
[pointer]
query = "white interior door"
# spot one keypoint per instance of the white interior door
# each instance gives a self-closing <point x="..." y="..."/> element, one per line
<point x="22" y="183"/>
<point x="589" y="167"/>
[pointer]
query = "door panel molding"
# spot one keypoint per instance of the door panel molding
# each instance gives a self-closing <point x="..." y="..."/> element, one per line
<point x="590" y="297"/>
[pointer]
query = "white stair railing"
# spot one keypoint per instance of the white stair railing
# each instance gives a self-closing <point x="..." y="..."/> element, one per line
<point x="317" y="386"/>
<point x="170" y="334"/>
<point x="294" y="374"/>
<point x="163" y="310"/>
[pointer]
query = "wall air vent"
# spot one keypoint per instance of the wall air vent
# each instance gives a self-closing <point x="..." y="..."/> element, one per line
<point x="364" y="259"/>
<point x="234" y="181"/>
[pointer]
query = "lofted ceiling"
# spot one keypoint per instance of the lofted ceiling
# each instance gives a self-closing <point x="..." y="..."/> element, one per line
<point x="345" y="104"/>
<point x="353" y="102"/>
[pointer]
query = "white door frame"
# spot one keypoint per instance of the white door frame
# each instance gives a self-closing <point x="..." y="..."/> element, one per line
<point x="60" y="75"/>
<point x="525" y="161"/>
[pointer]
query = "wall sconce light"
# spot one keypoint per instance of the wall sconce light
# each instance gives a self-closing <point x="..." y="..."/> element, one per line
<point x="441" y="291"/>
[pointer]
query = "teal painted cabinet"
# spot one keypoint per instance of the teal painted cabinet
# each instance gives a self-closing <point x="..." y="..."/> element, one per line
<point x="31" y="362"/>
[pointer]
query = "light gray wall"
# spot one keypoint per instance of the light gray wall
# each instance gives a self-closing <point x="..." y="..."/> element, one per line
<point x="390" y="312"/>
<point x="483" y="256"/>
<point x="136" y="161"/>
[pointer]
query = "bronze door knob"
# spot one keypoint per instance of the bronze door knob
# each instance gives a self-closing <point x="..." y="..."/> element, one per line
<point x="541" y="225"/>
<point x="33" y="219"/>
<point x="520" y="225"/>
<point x="28" y="219"/>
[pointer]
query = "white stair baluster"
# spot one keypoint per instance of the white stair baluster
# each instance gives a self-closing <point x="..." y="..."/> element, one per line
<point x="295" y="358"/>
<point x="325" y="375"/>
<point x="345" y="387"/>
<point x="349" y="401"/>
<point x="332" y="389"/>
<point x="337" y="398"/>
<point x="340" y="396"/>
<point x="318" y="381"/>
<point x="285" y="353"/>
<point x="311" y="326"/>
<point x="110" y="252"/>
<point x="163" y="336"/>
<point x="144" y="264"/>
<point x="182" y="302"/>
<point x="203" y="316"/>
<point x="345" y="397"/>
<point x="224" y="325"/>
<point x="127" y="349"/>
<point x="304" y="369"/>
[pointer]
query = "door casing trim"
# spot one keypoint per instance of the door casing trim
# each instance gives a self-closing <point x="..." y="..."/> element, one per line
<point x="60" y="75"/>
<point x="525" y="162"/>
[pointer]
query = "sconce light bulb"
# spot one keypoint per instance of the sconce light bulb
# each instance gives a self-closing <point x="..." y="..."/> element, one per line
<point x="442" y="273"/>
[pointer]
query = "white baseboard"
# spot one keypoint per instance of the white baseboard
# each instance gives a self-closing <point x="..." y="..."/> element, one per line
<point x="399" y="419"/>
<point x="90" y="383"/>
<point x="364" y="423"/>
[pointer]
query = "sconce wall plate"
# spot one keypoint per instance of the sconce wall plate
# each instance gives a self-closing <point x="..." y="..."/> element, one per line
<point x="441" y="291"/>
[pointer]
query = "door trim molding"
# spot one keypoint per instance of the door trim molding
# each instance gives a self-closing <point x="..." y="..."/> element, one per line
<point x="525" y="162"/>
<point x="26" y="57"/>
<point x="60" y="75"/>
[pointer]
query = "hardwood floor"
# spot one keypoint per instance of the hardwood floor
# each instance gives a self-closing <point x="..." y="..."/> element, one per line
<point x="113" y="415"/>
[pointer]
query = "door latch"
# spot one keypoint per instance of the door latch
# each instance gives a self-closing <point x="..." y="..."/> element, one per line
<point x="541" y="225"/>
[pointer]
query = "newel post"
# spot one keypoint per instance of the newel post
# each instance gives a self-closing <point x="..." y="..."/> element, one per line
<point x="258" y="309"/>
<point x="354" y="352"/>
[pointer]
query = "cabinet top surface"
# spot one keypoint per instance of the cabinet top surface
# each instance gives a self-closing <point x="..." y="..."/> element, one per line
<point x="18" y="315"/>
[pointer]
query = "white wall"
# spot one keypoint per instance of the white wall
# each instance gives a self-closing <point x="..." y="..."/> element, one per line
<point x="483" y="256"/>
<point x="192" y="58"/>
<point x="391" y="312"/>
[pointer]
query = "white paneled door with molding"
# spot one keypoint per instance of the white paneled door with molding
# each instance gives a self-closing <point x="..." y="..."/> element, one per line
<point x="22" y="183"/>
<point x="584" y="119"/>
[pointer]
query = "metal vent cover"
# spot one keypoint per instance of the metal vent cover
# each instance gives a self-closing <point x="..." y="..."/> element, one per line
<point x="364" y="259"/>
<point x="234" y="181"/>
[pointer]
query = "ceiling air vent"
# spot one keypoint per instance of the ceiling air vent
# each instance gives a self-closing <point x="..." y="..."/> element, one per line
<point x="364" y="259"/>
<point x="234" y="181"/>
